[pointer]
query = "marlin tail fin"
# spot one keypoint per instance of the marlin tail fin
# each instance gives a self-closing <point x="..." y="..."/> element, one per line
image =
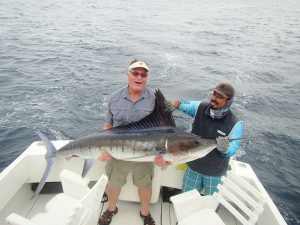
<point x="50" y="154"/>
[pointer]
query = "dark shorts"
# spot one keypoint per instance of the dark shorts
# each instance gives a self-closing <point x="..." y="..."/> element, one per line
<point x="117" y="171"/>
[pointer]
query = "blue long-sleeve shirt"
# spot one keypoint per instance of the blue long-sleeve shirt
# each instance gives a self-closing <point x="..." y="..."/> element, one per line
<point x="190" y="107"/>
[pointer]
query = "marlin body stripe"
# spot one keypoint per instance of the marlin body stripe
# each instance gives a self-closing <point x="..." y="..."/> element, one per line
<point x="137" y="141"/>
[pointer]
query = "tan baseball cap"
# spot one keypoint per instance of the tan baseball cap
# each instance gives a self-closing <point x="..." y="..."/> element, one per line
<point x="138" y="64"/>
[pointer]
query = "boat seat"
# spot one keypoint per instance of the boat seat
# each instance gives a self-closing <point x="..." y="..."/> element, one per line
<point x="78" y="204"/>
<point x="237" y="195"/>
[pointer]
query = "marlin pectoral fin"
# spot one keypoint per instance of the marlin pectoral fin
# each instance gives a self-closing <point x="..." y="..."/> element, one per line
<point x="88" y="163"/>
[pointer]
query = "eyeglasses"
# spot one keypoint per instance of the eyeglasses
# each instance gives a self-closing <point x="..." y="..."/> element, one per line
<point x="218" y="95"/>
<point x="136" y="74"/>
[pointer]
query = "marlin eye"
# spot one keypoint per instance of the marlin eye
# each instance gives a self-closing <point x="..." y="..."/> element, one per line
<point x="196" y="142"/>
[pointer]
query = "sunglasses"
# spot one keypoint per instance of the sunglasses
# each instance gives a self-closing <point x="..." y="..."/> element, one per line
<point x="218" y="95"/>
<point x="136" y="74"/>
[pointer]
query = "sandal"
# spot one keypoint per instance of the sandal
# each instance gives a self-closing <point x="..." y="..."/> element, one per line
<point x="107" y="216"/>
<point x="148" y="220"/>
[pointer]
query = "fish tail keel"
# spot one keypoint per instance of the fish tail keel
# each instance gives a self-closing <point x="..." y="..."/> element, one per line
<point x="50" y="155"/>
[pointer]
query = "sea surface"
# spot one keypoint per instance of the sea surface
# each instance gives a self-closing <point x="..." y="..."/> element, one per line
<point x="61" y="59"/>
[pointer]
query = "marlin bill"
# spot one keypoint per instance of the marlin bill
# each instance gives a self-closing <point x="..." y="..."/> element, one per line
<point x="137" y="141"/>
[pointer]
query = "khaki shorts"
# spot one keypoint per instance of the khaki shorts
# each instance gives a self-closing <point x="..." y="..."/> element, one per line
<point x="117" y="171"/>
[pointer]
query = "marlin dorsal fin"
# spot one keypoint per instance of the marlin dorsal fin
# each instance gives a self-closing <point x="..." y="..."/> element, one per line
<point x="158" y="118"/>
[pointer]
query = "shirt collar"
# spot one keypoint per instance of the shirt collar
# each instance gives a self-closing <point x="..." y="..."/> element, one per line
<point x="144" y="95"/>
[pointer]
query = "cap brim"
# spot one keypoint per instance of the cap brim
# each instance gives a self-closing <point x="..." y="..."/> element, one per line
<point x="138" y="64"/>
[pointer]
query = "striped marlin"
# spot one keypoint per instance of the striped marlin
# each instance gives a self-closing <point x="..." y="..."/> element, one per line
<point x="138" y="141"/>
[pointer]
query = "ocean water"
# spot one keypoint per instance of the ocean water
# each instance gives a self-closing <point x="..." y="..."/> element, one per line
<point x="61" y="59"/>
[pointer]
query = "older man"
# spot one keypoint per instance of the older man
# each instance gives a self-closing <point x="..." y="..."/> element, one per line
<point x="213" y="120"/>
<point x="130" y="104"/>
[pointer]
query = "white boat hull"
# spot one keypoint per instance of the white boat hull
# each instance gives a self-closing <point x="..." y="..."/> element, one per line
<point x="16" y="180"/>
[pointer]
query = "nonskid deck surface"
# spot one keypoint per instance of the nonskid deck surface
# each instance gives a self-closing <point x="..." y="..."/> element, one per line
<point x="129" y="212"/>
<point x="162" y="212"/>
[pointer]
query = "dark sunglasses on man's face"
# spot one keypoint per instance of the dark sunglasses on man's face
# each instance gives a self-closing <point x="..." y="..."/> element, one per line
<point x="136" y="74"/>
<point x="218" y="95"/>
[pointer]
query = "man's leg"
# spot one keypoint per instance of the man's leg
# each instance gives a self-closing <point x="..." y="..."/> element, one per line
<point x="145" y="197"/>
<point x="142" y="178"/>
<point x="113" y="196"/>
<point x="117" y="172"/>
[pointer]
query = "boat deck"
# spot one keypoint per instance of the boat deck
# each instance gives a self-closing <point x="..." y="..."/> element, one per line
<point x="162" y="212"/>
